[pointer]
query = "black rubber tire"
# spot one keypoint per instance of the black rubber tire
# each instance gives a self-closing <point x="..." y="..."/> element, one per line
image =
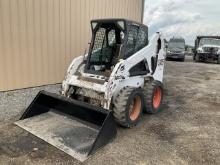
<point x="122" y="104"/>
<point x="197" y="58"/>
<point x="167" y="59"/>
<point x="218" y="60"/>
<point x="149" y="90"/>
<point x="183" y="59"/>
<point x="194" y="57"/>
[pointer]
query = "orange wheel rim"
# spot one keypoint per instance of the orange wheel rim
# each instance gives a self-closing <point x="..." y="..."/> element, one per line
<point x="135" y="108"/>
<point x="157" y="97"/>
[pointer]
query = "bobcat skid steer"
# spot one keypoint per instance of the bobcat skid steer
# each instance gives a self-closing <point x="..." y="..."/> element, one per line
<point x="119" y="79"/>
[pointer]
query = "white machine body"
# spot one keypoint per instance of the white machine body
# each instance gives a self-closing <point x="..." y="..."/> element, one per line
<point x="120" y="76"/>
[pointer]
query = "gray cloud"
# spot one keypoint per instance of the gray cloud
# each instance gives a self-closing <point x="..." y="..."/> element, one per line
<point x="170" y="17"/>
<point x="167" y="13"/>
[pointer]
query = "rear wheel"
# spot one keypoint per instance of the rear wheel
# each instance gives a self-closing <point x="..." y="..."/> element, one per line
<point x="153" y="96"/>
<point x="197" y="58"/>
<point x="218" y="60"/>
<point x="128" y="107"/>
<point x="183" y="59"/>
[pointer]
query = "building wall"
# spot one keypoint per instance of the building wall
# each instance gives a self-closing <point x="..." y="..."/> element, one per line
<point x="39" y="38"/>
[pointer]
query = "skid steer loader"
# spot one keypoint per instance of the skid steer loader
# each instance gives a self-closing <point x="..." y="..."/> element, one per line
<point x="115" y="82"/>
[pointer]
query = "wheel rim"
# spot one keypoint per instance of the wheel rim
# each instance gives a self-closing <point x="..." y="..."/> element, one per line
<point x="135" y="108"/>
<point x="157" y="97"/>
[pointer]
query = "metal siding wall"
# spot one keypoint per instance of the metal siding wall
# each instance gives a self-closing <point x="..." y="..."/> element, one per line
<point x="39" y="38"/>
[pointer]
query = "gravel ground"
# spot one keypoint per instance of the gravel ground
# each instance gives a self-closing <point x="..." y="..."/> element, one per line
<point x="14" y="102"/>
<point x="186" y="131"/>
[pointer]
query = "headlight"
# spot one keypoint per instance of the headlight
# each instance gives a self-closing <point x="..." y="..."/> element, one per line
<point x="218" y="52"/>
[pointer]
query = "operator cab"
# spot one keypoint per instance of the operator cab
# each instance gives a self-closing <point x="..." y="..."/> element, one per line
<point x="112" y="40"/>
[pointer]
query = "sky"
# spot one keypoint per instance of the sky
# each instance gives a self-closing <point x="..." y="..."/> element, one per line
<point x="183" y="18"/>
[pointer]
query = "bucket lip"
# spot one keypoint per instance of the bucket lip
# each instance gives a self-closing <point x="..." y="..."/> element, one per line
<point x="80" y="103"/>
<point x="106" y="112"/>
<point x="107" y="126"/>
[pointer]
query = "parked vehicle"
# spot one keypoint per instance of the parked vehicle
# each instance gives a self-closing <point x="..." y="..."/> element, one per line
<point x="207" y="48"/>
<point x="119" y="79"/>
<point x="176" y="49"/>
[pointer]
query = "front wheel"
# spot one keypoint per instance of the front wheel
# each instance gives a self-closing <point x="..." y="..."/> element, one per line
<point x="128" y="106"/>
<point x="153" y="96"/>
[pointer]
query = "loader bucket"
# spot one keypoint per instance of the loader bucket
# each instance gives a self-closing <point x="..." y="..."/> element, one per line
<point x="77" y="128"/>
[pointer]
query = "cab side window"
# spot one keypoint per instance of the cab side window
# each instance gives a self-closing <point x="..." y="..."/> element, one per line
<point x="131" y="41"/>
<point x="137" y="39"/>
<point x="142" y="39"/>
